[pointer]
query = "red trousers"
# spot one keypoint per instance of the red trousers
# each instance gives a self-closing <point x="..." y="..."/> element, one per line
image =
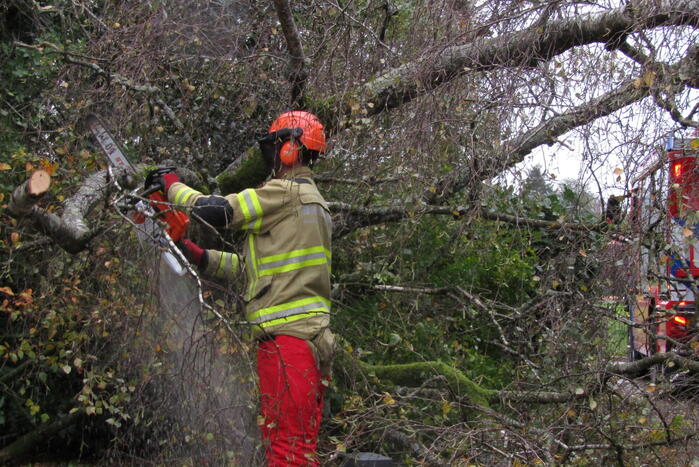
<point x="291" y="401"/>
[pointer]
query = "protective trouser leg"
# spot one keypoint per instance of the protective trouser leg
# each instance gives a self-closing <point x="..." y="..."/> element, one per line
<point x="291" y="401"/>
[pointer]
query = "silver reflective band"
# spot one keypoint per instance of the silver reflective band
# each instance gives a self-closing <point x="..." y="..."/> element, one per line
<point x="227" y="265"/>
<point x="315" y="306"/>
<point x="311" y="212"/>
<point x="292" y="260"/>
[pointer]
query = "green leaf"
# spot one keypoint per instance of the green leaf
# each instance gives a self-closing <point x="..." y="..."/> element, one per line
<point x="394" y="339"/>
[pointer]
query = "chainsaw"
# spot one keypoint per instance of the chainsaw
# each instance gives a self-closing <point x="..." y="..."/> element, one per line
<point x="156" y="221"/>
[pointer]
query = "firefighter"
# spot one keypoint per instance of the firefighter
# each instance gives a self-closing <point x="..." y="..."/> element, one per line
<point x="287" y="264"/>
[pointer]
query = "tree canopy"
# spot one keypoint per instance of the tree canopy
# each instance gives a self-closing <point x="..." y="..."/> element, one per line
<point x="478" y="323"/>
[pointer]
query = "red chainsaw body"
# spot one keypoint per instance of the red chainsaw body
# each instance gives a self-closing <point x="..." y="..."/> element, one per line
<point x="177" y="221"/>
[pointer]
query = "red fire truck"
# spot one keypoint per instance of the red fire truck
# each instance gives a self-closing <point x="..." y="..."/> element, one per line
<point x="664" y="218"/>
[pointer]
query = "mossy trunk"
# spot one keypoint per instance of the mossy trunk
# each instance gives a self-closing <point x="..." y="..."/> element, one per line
<point x="415" y="374"/>
<point x="248" y="172"/>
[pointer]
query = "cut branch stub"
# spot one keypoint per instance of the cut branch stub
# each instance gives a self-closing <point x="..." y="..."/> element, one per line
<point x="38" y="183"/>
<point x="26" y="195"/>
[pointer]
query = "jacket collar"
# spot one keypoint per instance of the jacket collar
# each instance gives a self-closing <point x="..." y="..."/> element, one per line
<point x="298" y="172"/>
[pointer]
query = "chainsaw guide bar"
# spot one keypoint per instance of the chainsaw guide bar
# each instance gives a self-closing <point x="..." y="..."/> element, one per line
<point x="108" y="145"/>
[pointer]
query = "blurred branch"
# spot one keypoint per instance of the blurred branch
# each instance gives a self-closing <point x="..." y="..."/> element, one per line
<point x="14" y="372"/>
<point x="418" y="450"/>
<point x="368" y="180"/>
<point x="630" y="447"/>
<point x="641" y="366"/>
<point x="355" y="217"/>
<point x="297" y="60"/>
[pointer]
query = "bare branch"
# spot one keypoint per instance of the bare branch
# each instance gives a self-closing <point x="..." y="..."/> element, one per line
<point x="515" y="150"/>
<point x="127" y="83"/>
<point x="416" y="448"/>
<point x="70" y="230"/>
<point x="297" y="60"/>
<point x="368" y="180"/>
<point x="355" y="217"/>
<point x="523" y="48"/>
<point x="641" y="366"/>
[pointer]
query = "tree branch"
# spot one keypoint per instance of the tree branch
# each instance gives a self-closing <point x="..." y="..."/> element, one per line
<point x="524" y="48"/>
<point x="127" y="83"/>
<point x="641" y="366"/>
<point x="355" y="217"/>
<point x="297" y="60"/>
<point x="21" y="446"/>
<point x="70" y="230"/>
<point x="516" y="149"/>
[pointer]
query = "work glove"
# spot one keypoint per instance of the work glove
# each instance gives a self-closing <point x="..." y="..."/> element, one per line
<point x="162" y="178"/>
<point x="193" y="252"/>
<point x="272" y="142"/>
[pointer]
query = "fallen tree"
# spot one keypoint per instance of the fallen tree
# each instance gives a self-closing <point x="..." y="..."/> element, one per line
<point x="390" y="176"/>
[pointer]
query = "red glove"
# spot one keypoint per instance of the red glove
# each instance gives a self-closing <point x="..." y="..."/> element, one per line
<point x="169" y="179"/>
<point x="195" y="254"/>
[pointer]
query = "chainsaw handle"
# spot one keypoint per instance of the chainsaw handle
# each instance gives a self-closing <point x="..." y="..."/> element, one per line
<point x="155" y="177"/>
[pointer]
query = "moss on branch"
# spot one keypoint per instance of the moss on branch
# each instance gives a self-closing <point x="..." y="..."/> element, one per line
<point x="415" y="374"/>
<point x="248" y="173"/>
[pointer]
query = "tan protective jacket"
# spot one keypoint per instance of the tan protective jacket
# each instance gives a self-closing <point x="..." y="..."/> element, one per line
<point x="287" y="256"/>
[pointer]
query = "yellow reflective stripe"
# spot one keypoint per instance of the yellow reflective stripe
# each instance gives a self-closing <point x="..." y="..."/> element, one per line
<point x="252" y="275"/>
<point x="251" y="209"/>
<point x="288" y="319"/>
<point x="258" y="210"/>
<point x="183" y="193"/>
<point x="294" y="253"/>
<point x="293" y="260"/>
<point x="284" y="310"/>
<point x="244" y="207"/>
<point x="293" y="267"/>
<point x="227" y="265"/>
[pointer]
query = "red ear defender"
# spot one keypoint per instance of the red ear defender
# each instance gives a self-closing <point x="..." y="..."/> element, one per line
<point x="290" y="152"/>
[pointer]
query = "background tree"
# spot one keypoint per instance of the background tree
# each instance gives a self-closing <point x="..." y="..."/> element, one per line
<point x="472" y="329"/>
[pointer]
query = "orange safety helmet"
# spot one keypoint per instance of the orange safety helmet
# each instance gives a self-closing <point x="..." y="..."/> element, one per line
<point x="312" y="138"/>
